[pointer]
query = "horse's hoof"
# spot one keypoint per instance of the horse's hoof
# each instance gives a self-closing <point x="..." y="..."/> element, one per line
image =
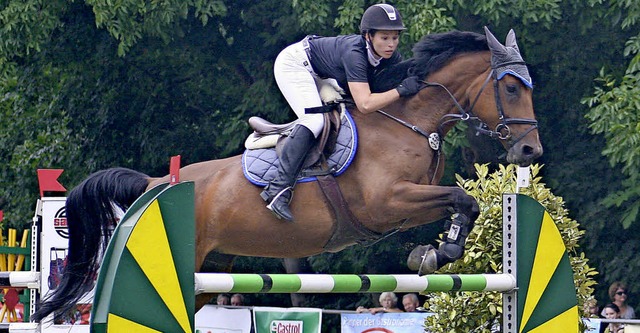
<point x="429" y="262"/>
<point x="423" y="259"/>
<point x="415" y="257"/>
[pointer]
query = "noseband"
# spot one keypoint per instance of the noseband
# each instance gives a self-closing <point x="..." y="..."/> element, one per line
<point x="502" y="130"/>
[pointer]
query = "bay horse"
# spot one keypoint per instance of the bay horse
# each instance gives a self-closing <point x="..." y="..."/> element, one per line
<point x="390" y="185"/>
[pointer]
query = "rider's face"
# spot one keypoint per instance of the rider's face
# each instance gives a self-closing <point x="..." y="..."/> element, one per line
<point x="385" y="42"/>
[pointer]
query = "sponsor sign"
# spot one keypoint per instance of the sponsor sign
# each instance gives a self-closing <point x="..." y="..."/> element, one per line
<point x="54" y="244"/>
<point x="408" y="322"/>
<point x="287" y="320"/>
<point x="215" y="319"/>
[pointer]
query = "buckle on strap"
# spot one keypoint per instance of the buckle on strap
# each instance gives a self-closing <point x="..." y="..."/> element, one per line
<point x="307" y="50"/>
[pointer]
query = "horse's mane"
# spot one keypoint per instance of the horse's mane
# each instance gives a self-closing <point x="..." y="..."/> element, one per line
<point x="430" y="54"/>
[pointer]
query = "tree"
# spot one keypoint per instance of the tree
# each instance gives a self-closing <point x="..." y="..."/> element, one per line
<point x="615" y="113"/>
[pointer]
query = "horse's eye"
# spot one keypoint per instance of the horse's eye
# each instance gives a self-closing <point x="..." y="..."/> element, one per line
<point x="511" y="88"/>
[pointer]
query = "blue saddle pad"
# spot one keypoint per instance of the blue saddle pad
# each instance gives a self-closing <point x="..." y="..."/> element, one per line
<point x="261" y="165"/>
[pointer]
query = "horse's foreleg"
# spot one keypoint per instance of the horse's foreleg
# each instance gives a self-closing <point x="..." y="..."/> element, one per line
<point x="427" y="203"/>
<point x="427" y="259"/>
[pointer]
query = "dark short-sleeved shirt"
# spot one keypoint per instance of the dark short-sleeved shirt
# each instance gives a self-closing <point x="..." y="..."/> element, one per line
<point x="345" y="59"/>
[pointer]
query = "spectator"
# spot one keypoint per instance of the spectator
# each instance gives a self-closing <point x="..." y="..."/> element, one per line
<point x="237" y="300"/>
<point x="388" y="303"/>
<point x="618" y="293"/>
<point x="611" y="311"/>
<point x="591" y="308"/>
<point x="223" y="299"/>
<point x="410" y="302"/>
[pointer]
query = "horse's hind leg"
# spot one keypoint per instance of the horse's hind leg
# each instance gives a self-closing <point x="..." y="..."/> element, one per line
<point x="214" y="262"/>
<point x="297" y="266"/>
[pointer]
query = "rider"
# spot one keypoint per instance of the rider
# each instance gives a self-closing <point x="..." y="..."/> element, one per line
<point x="351" y="61"/>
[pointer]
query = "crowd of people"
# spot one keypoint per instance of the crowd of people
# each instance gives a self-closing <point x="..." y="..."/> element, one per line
<point x="389" y="304"/>
<point x="233" y="300"/>
<point x="618" y="308"/>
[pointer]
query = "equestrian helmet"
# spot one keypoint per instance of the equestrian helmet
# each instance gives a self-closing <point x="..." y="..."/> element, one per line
<point x="381" y="17"/>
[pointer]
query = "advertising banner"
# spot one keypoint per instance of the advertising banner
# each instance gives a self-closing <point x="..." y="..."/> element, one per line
<point x="593" y="325"/>
<point x="54" y="243"/>
<point x="287" y="320"/>
<point x="408" y="322"/>
<point x="214" y="319"/>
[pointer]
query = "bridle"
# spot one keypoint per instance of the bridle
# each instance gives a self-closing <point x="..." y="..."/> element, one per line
<point x="502" y="130"/>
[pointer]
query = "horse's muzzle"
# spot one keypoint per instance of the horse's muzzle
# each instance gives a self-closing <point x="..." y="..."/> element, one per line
<point x="524" y="153"/>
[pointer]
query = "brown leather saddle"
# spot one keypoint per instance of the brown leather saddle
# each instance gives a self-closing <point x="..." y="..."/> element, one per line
<point x="267" y="134"/>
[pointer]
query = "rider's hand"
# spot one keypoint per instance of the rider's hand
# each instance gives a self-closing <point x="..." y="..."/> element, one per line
<point x="410" y="86"/>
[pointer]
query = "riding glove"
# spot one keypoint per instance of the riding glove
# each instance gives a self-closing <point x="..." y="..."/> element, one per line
<point x="410" y="86"/>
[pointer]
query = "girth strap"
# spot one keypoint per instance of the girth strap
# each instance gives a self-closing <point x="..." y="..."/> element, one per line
<point x="347" y="228"/>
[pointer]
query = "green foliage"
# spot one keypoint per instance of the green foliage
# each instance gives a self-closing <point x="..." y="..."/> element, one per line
<point x="615" y="113"/>
<point x="26" y="25"/>
<point x="349" y="14"/>
<point x="425" y="17"/>
<point x="313" y="14"/>
<point x="35" y="135"/>
<point x="477" y="312"/>
<point x="539" y="12"/>
<point x="129" y="21"/>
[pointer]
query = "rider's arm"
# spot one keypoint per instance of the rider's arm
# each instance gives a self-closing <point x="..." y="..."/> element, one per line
<point x="368" y="102"/>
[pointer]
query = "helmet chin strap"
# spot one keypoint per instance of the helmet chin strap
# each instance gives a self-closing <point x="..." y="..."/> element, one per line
<point x="374" y="57"/>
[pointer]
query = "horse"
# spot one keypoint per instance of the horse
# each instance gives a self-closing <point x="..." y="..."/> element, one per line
<point x="391" y="184"/>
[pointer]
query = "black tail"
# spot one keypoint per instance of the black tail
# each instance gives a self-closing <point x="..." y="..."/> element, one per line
<point x="90" y="218"/>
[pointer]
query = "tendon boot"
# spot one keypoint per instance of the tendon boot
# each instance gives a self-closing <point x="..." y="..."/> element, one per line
<point x="427" y="259"/>
<point x="279" y="191"/>
<point x="452" y="248"/>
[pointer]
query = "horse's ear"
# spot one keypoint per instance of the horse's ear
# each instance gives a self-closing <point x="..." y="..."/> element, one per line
<point x="511" y="40"/>
<point x="494" y="45"/>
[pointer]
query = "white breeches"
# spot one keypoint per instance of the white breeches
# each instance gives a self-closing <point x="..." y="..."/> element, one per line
<point x="297" y="82"/>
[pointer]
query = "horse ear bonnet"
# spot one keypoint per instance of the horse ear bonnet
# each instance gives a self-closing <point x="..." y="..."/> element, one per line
<point x="506" y="59"/>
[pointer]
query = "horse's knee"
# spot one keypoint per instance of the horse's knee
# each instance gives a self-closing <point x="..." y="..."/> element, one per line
<point x="465" y="204"/>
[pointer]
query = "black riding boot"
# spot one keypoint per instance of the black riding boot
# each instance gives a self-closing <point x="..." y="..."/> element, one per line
<point x="280" y="190"/>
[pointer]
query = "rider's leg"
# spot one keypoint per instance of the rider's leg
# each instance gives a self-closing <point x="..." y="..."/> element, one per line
<point x="280" y="190"/>
<point x="298" y="86"/>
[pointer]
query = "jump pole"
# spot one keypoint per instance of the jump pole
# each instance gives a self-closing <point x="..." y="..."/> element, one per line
<point x="147" y="280"/>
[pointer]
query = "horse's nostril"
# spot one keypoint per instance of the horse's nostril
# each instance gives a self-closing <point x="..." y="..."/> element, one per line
<point x="527" y="150"/>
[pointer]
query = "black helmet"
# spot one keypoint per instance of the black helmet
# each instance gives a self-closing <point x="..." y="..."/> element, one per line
<point x="381" y="17"/>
